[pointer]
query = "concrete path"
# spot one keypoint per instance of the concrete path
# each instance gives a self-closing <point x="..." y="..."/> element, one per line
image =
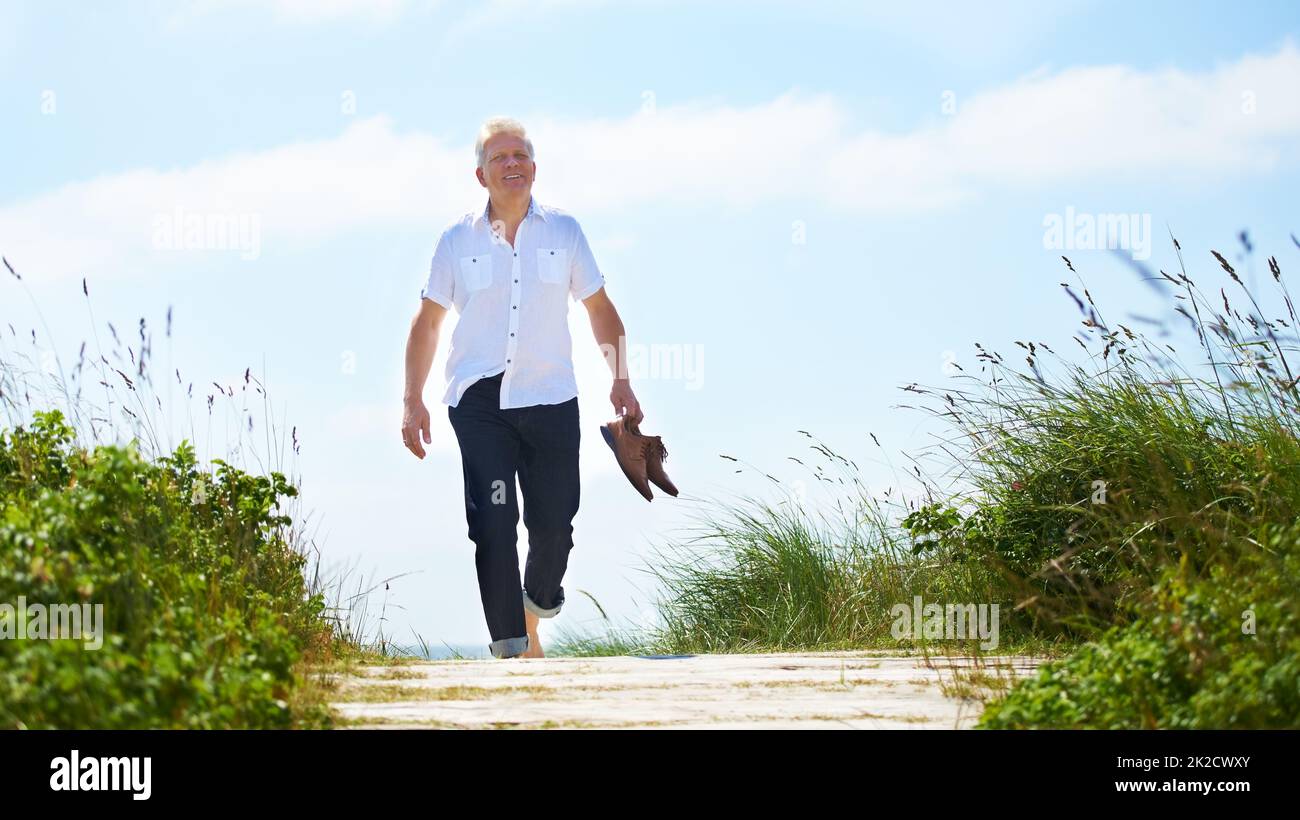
<point x="857" y="690"/>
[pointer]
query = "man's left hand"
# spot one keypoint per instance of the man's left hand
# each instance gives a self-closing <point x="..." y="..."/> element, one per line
<point x="624" y="401"/>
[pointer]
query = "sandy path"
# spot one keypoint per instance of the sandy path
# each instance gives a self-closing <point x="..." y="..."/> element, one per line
<point x="857" y="690"/>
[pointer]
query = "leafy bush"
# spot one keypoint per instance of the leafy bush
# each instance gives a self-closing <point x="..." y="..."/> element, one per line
<point x="1220" y="652"/>
<point x="205" y="609"/>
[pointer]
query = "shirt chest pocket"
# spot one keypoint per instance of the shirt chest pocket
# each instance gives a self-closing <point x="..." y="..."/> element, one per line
<point x="476" y="271"/>
<point x="553" y="265"/>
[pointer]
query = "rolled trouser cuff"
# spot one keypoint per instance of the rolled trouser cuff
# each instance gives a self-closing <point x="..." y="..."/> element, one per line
<point x="509" y="647"/>
<point x="532" y="607"/>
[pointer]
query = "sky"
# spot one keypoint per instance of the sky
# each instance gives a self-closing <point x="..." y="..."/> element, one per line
<point x="801" y="207"/>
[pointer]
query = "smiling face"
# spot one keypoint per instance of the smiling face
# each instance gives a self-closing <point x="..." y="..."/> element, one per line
<point x="508" y="171"/>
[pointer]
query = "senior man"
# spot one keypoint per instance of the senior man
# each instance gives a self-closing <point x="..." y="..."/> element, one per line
<point x="508" y="270"/>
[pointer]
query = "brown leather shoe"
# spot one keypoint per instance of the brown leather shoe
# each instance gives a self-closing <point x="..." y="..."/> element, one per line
<point x="655" y="455"/>
<point x="630" y="450"/>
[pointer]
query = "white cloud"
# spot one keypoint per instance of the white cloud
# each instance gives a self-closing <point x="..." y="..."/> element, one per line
<point x="1095" y="123"/>
<point x="370" y="177"/>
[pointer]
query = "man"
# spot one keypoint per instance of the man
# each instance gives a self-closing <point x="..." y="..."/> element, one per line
<point x="509" y="270"/>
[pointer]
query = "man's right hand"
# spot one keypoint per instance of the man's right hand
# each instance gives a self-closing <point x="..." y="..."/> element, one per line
<point x="415" y="423"/>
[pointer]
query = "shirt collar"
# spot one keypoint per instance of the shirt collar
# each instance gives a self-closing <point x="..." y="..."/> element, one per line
<point x="533" y="209"/>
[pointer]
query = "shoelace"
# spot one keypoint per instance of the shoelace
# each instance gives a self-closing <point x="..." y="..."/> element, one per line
<point x="653" y="445"/>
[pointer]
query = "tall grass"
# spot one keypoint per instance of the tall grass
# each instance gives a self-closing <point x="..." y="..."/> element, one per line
<point x="1087" y="479"/>
<point x="756" y="575"/>
<point x="763" y="576"/>
<point x="1064" y="487"/>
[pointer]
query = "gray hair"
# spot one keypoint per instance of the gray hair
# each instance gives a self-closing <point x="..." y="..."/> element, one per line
<point x="501" y="125"/>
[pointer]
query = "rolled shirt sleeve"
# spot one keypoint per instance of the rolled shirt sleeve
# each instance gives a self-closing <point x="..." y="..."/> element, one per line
<point x="585" y="277"/>
<point x="441" y="284"/>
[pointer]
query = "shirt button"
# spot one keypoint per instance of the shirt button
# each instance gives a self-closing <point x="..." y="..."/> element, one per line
<point x="507" y="361"/>
<point x="512" y="334"/>
<point x="514" y="307"/>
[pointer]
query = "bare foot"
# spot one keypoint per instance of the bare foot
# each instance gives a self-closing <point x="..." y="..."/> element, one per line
<point x="534" y="643"/>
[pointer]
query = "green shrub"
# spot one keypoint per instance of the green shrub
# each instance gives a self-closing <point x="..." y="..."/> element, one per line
<point x="1214" y="652"/>
<point x="205" y="609"/>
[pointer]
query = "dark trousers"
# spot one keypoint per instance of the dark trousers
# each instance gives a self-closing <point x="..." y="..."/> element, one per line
<point x="540" y="443"/>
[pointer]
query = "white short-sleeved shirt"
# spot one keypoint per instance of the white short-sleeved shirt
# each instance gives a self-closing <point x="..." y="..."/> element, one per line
<point x="513" y="304"/>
